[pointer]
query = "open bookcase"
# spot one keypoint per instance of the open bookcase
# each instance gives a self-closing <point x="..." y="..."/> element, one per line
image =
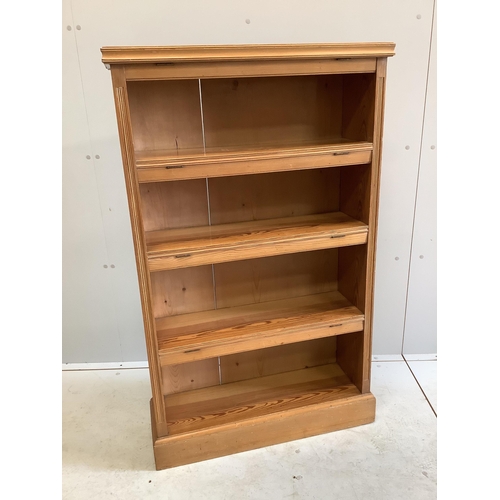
<point x="252" y="176"/>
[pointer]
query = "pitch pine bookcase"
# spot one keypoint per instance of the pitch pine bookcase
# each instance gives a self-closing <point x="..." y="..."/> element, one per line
<point x="252" y="176"/>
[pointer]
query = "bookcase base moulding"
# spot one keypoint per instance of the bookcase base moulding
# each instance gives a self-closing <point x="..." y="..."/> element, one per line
<point x="252" y="176"/>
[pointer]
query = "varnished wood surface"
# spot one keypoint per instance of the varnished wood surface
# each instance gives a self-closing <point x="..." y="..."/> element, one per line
<point x="277" y="111"/>
<point x="165" y="115"/>
<point x="279" y="359"/>
<point x="228" y="403"/>
<point x="274" y="195"/>
<point x="238" y="69"/>
<point x="169" y="205"/>
<point x="195" y="53"/>
<point x="252" y="126"/>
<point x="225" y="331"/>
<point x="190" y="376"/>
<point x="266" y="430"/>
<point x="182" y="291"/>
<point x="178" y="248"/>
<point x="132" y="187"/>
<point x="166" y="165"/>
<point x="286" y="276"/>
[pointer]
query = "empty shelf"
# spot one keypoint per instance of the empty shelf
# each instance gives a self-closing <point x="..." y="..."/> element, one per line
<point x="196" y="246"/>
<point x="202" y="335"/>
<point x="169" y="165"/>
<point x="249" y="399"/>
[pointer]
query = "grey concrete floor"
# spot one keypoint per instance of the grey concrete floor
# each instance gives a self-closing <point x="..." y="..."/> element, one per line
<point x="107" y="450"/>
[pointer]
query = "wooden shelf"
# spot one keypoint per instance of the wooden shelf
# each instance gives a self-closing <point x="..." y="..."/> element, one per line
<point x="207" y="334"/>
<point x="239" y="401"/>
<point x="195" y="163"/>
<point x="197" y="246"/>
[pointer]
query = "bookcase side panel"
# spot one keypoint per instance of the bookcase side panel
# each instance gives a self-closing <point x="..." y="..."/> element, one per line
<point x="132" y="186"/>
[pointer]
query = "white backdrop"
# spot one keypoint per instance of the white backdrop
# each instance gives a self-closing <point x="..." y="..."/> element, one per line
<point x="101" y="306"/>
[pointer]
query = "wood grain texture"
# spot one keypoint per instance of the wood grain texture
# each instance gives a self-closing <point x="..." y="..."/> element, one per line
<point x="208" y="334"/>
<point x="273" y="360"/>
<point x="165" y="115"/>
<point x="237" y="401"/>
<point x="163" y="166"/>
<point x="168" y="205"/>
<point x="306" y="109"/>
<point x="373" y="222"/>
<point x="282" y="111"/>
<point x="238" y="69"/>
<point x="355" y="185"/>
<point x="275" y="278"/>
<point x="190" y="376"/>
<point x="132" y="186"/>
<point x="182" y="291"/>
<point x="275" y="52"/>
<point x="351" y="357"/>
<point x="275" y="428"/>
<point x="178" y="248"/>
<point x="269" y="196"/>
<point x="358" y="107"/>
<point x="352" y="274"/>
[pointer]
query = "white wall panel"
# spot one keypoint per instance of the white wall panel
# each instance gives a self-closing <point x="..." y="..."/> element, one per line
<point x="154" y="22"/>
<point x="420" y="334"/>
<point x="89" y="322"/>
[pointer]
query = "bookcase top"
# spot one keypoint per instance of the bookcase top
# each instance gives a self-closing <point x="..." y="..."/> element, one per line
<point x="207" y="53"/>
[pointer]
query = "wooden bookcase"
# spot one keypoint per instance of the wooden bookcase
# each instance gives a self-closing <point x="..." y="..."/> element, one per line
<point x="252" y="177"/>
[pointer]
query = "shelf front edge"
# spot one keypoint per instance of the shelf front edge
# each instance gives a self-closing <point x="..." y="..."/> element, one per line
<point x="168" y="171"/>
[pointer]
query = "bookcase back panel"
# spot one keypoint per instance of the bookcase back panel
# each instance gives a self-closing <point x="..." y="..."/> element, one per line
<point x="169" y="205"/>
<point x="274" y="278"/>
<point x="272" y="111"/>
<point x="194" y="289"/>
<point x="267" y="196"/>
<point x="165" y="115"/>
<point x="190" y="376"/>
<point x="182" y="291"/>
<point x="263" y="362"/>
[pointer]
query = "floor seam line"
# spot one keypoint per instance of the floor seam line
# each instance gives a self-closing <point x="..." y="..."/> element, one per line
<point x="418" y="383"/>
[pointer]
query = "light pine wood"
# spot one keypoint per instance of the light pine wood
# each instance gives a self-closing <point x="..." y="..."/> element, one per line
<point x="182" y="291"/>
<point x="270" y="196"/>
<point x="190" y="337"/>
<point x="189" y="376"/>
<point x="166" y="166"/>
<point x="374" y="206"/>
<point x="191" y="53"/>
<point x="256" y="397"/>
<point x="236" y="69"/>
<point x="355" y="192"/>
<point x="274" y="428"/>
<point x="260" y="412"/>
<point x="252" y="175"/>
<point x="168" y="205"/>
<point x="357" y="107"/>
<point x="178" y="248"/>
<point x="279" y="359"/>
<point x="277" y="111"/>
<point x="165" y="115"/>
<point x="275" y="278"/>
<point x="132" y="186"/>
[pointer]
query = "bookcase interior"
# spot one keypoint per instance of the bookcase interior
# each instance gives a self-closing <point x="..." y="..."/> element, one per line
<point x="176" y="117"/>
